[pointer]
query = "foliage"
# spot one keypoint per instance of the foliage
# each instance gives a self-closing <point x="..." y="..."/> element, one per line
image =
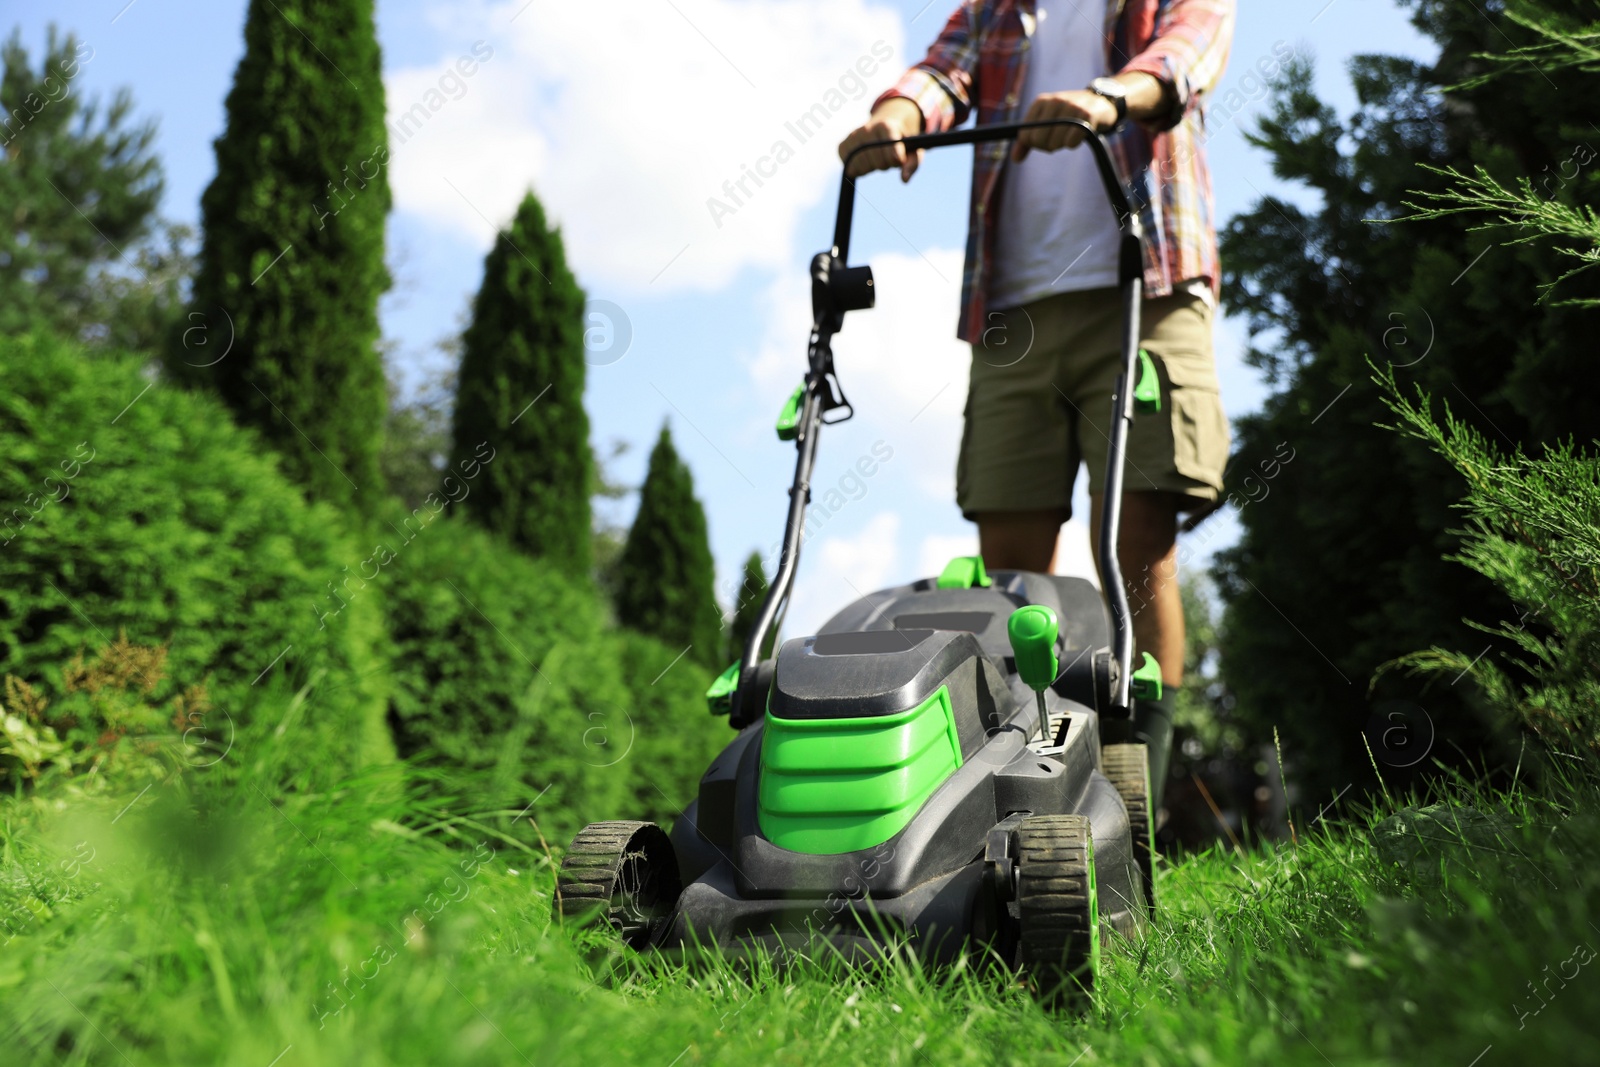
<point x="199" y="924"/>
<point x="752" y="592"/>
<point x="506" y="684"/>
<point x="106" y="723"/>
<point x="521" y="391"/>
<point x="134" y="508"/>
<point x="80" y="186"/>
<point x="1534" y="530"/>
<point x="1341" y="566"/>
<point x="416" y="439"/>
<point x="665" y="579"/>
<point x="283" y="322"/>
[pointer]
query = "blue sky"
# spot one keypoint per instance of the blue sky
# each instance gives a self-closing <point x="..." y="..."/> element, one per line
<point x="627" y="125"/>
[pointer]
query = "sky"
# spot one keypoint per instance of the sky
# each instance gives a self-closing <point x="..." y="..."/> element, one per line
<point x="628" y="126"/>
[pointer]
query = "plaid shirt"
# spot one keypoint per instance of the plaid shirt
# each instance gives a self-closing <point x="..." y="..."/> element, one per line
<point x="981" y="57"/>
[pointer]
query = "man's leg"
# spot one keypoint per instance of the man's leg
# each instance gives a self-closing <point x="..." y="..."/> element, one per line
<point x="1019" y="540"/>
<point x="1148" y="555"/>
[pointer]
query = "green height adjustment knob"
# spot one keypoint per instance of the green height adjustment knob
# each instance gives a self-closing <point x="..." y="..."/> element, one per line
<point x="1033" y="631"/>
<point x="1147" y="679"/>
<point x="719" y="698"/>
<point x="789" y="417"/>
<point x="1147" y="394"/>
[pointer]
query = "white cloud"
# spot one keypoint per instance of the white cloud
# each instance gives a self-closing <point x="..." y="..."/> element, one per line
<point x="626" y="127"/>
<point x="939" y="549"/>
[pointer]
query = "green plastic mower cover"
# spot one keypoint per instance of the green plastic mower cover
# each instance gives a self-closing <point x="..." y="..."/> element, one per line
<point x="840" y="785"/>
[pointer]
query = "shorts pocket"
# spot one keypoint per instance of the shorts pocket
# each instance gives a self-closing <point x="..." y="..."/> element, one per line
<point x="1200" y="434"/>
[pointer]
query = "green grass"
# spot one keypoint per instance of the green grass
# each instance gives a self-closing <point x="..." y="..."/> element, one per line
<point x="215" y="922"/>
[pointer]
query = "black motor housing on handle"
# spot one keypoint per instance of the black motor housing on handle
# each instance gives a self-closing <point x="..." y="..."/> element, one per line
<point x="836" y="289"/>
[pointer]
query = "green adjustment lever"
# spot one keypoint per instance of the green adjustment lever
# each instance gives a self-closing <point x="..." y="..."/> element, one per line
<point x="1033" y="631"/>
<point x="1147" y="394"/>
<point x="789" y="417"/>
<point x="719" y="698"/>
<point x="963" y="572"/>
<point x="1147" y="679"/>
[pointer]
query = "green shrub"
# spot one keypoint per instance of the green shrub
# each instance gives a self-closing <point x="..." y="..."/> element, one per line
<point x="507" y="684"/>
<point x="134" y="508"/>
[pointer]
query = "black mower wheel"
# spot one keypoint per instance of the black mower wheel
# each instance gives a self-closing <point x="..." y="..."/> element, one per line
<point x="1128" y="767"/>
<point x="1058" y="911"/>
<point x="620" y="873"/>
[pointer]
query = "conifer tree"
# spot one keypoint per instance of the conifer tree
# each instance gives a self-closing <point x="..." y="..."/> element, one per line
<point x="284" y="317"/>
<point x="520" y="396"/>
<point x="1346" y="525"/>
<point x="751" y="595"/>
<point x="665" y="575"/>
<point x="80" y="186"/>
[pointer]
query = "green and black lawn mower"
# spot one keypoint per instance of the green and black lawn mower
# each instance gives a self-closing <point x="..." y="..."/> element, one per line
<point x="929" y="771"/>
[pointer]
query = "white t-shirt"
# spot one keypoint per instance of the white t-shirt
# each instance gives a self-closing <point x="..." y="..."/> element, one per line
<point x="1056" y="233"/>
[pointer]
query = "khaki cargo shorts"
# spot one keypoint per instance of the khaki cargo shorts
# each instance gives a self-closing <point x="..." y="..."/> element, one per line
<point x="1039" y="403"/>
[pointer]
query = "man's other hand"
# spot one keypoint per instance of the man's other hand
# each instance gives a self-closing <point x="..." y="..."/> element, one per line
<point x="892" y="120"/>
<point x="1079" y="104"/>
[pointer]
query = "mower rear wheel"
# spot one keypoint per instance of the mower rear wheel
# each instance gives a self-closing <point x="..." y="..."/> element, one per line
<point x="1058" y="911"/>
<point x="624" y="874"/>
<point x="1128" y="767"/>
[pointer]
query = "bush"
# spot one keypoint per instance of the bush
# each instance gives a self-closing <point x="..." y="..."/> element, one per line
<point x="133" y="508"/>
<point x="507" y="683"/>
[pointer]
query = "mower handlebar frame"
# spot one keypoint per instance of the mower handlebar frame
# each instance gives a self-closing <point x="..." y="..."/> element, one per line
<point x="837" y="288"/>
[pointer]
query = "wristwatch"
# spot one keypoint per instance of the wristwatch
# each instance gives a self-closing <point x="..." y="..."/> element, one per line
<point x="1114" y="91"/>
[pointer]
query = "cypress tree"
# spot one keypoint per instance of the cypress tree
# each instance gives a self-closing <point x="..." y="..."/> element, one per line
<point x="521" y="394"/>
<point x="752" y="593"/>
<point x="665" y="575"/>
<point x="284" y="320"/>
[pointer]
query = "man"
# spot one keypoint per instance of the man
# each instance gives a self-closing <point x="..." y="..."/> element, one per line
<point x="1039" y="303"/>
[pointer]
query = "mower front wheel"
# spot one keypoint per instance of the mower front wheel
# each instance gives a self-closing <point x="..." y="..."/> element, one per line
<point x="1058" y="911"/>
<point x="623" y="874"/>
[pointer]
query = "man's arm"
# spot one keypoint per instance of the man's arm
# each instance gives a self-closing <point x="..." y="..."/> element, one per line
<point x="1185" y="58"/>
<point x="934" y="95"/>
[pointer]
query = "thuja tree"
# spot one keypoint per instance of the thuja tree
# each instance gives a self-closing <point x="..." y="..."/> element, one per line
<point x="752" y="593"/>
<point x="521" y="393"/>
<point x="665" y="577"/>
<point x="284" y="318"/>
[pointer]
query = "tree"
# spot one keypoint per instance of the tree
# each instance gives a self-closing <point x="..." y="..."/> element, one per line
<point x="521" y="395"/>
<point x="665" y="576"/>
<point x="80" y="188"/>
<point x="1340" y="567"/>
<point x="752" y="593"/>
<point x="284" y="318"/>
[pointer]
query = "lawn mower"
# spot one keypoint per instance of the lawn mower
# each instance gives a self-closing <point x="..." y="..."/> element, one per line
<point x="926" y="773"/>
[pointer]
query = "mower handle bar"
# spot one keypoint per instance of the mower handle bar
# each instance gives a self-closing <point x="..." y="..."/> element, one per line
<point x="1005" y="131"/>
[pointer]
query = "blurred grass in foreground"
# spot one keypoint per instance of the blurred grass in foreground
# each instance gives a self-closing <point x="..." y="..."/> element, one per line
<point x="230" y="922"/>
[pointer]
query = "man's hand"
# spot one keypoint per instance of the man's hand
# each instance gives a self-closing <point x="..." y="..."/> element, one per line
<point x="1080" y="104"/>
<point x="895" y="118"/>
